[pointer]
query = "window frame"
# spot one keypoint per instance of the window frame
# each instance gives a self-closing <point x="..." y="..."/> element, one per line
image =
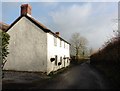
<point x="60" y="43"/>
<point x="64" y="44"/>
<point x="55" y="41"/>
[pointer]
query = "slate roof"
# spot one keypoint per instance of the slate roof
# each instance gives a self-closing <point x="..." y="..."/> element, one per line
<point x="41" y="26"/>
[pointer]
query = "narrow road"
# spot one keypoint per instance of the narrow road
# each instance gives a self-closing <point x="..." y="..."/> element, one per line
<point x="82" y="76"/>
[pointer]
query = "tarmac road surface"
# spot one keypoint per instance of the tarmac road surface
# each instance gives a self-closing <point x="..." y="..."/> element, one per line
<point x="83" y="76"/>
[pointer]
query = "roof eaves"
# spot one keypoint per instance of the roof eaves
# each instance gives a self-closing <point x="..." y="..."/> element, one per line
<point x="41" y="26"/>
<point x="59" y="37"/>
<point x="45" y="29"/>
<point x="14" y="23"/>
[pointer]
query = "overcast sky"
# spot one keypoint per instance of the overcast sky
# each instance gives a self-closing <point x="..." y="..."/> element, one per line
<point x="93" y="20"/>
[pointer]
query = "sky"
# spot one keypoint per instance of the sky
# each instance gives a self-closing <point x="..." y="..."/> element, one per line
<point x="93" y="20"/>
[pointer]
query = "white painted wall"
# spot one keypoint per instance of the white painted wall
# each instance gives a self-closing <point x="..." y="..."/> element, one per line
<point x="56" y="50"/>
<point x="31" y="49"/>
<point x="28" y="47"/>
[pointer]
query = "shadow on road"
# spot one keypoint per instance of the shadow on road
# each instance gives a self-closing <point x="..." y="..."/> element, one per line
<point x="83" y="76"/>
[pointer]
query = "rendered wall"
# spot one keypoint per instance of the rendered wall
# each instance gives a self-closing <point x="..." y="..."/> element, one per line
<point x="28" y="47"/>
<point x="58" y="50"/>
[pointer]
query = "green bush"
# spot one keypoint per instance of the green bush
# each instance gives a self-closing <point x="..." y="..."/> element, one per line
<point x="4" y="41"/>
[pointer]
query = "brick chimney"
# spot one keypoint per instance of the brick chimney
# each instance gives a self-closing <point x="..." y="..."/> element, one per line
<point x="25" y="9"/>
<point x="57" y="33"/>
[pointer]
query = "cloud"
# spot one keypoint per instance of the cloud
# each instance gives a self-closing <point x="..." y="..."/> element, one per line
<point x="48" y="4"/>
<point x="71" y="19"/>
<point x="61" y="0"/>
<point x="46" y="0"/>
<point x="66" y="17"/>
<point x="16" y="0"/>
<point x="91" y="20"/>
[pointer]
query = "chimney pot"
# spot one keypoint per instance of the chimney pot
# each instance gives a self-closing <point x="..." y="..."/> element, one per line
<point x="25" y="9"/>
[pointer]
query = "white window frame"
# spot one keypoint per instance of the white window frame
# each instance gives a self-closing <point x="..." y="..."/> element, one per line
<point x="60" y="43"/>
<point x="55" y="41"/>
<point x="64" y="44"/>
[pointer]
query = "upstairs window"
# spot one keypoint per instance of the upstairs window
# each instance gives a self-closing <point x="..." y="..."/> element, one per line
<point x="60" y="43"/>
<point x="67" y="46"/>
<point x="64" y="44"/>
<point x="55" y="41"/>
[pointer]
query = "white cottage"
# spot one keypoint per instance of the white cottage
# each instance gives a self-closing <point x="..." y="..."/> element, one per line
<point x="34" y="47"/>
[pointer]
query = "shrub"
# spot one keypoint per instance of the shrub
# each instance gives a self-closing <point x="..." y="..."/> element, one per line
<point x="4" y="41"/>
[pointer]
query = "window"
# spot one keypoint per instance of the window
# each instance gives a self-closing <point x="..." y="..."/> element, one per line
<point x="55" y="59"/>
<point x="60" y="43"/>
<point x="67" y="46"/>
<point x="64" y="44"/>
<point x="61" y="60"/>
<point x="55" y="41"/>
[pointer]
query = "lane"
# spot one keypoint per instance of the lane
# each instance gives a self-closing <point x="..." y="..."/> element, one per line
<point x="83" y="76"/>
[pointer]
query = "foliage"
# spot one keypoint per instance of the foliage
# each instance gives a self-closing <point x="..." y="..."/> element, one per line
<point x="110" y="53"/>
<point x="4" y="37"/>
<point x="107" y="59"/>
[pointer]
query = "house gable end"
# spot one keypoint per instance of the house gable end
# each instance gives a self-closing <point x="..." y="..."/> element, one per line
<point x="32" y="20"/>
<point x="27" y="47"/>
<point x="14" y="23"/>
<point x="42" y="27"/>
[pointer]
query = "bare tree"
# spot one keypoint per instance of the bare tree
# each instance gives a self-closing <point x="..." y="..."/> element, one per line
<point x="91" y="51"/>
<point x="78" y="44"/>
